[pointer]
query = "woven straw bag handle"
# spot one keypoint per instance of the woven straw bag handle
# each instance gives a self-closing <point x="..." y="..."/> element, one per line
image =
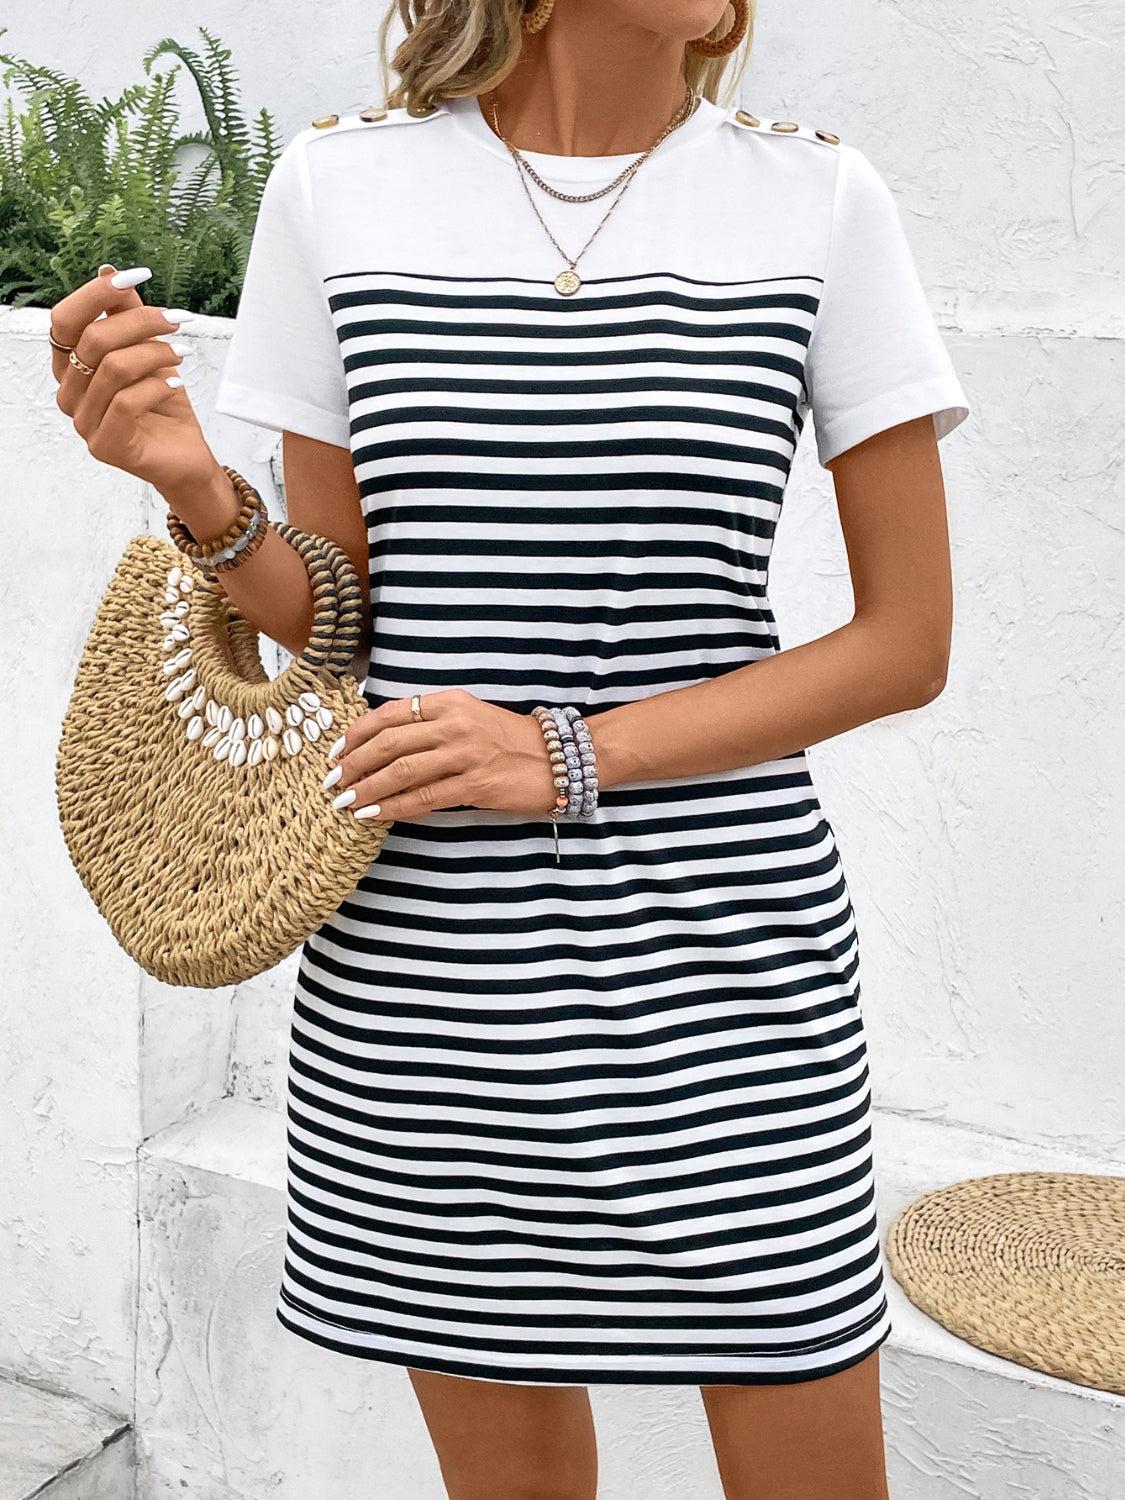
<point x="227" y="653"/>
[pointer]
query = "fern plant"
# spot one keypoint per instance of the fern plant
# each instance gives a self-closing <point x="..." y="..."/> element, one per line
<point x="86" y="181"/>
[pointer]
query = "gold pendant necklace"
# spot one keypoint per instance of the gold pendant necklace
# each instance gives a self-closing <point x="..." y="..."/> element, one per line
<point x="567" y="282"/>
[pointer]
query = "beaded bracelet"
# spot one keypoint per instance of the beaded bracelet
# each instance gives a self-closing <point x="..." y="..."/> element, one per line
<point x="240" y="540"/>
<point x="238" y="543"/>
<point x="568" y="745"/>
<point x="223" y="559"/>
<point x="589" y="760"/>
<point x="249" y="502"/>
<point x="573" y="765"/>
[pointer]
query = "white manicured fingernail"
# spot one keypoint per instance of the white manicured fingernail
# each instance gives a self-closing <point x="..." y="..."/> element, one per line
<point x="333" y="777"/>
<point x="176" y="314"/>
<point x="370" y="811"/>
<point x="132" y="277"/>
<point x="336" y="748"/>
<point x="173" y="380"/>
<point x="180" y="348"/>
<point x="345" y="798"/>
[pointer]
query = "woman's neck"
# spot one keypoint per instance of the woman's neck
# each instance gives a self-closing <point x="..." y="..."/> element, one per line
<point x="589" y="86"/>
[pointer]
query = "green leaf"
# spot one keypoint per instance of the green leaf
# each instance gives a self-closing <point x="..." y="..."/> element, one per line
<point x="84" y="181"/>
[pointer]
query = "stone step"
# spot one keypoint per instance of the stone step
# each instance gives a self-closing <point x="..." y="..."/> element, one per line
<point x="231" y="1406"/>
<point x="56" y="1447"/>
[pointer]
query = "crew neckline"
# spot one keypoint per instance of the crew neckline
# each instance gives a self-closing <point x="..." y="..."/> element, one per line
<point x="467" y="115"/>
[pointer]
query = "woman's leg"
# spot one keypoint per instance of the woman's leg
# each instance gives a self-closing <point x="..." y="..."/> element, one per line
<point x="814" y="1440"/>
<point x="496" y="1441"/>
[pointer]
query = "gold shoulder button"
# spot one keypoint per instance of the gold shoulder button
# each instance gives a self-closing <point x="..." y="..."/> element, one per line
<point x="784" y="127"/>
<point x="788" y="127"/>
<point x="420" y="108"/>
<point x="376" y="114"/>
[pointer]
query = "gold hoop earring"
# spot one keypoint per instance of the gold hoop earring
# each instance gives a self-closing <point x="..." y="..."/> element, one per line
<point x="720" y="46"/>
<point x="537" y="17"/>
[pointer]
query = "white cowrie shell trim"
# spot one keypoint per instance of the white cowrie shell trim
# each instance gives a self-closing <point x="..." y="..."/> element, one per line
<point x="232" y="739"/>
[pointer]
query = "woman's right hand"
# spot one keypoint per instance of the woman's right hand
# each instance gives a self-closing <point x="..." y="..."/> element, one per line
<point x="128" y="413"/>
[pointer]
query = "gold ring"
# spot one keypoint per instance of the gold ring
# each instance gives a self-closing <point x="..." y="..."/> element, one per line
<point x="78" y="365"/>
<point x="64" y="348"/>
<point x="416" y="706"/>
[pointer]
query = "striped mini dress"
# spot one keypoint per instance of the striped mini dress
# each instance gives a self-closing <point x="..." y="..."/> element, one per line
<point x="606" y="1117"/>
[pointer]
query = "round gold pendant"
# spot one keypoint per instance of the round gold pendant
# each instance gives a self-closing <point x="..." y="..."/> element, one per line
<point x="567" y="282"/>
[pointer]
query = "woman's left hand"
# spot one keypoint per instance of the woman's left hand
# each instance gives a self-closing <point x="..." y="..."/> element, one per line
<point x="463" y="752"/>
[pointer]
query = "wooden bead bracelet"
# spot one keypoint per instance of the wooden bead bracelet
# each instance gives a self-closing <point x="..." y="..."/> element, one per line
<point x="240" y="540"/>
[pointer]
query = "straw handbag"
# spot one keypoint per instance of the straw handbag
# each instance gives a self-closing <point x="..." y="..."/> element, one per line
<point x="188" y="782"/>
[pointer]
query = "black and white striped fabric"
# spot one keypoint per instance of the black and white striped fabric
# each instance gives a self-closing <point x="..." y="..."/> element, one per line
<point x="609" y="1119"/>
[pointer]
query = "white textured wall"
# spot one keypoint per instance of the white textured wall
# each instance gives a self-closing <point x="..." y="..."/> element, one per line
<point x="95" y="1054"/>
<point x="69" y="1098"/>
<point x="982" y="835"/>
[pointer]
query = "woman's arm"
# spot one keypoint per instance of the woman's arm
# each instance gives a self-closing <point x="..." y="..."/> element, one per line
<point x="272" y="587"/>
<point x="891" y="655"/>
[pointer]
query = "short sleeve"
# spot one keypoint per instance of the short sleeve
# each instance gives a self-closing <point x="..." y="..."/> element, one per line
<point x="876" y="356"/>
<point x="284" y="368"/>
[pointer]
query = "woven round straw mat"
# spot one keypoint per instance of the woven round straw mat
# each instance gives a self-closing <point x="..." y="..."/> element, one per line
<point x="206" y="873"/>
<point x="1027" y="1265"/>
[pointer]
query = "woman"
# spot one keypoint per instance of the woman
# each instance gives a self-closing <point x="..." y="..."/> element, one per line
<point x="600" y="1112"/>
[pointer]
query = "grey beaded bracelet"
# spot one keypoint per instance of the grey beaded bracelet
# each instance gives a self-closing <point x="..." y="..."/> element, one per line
<point x="573" y="758"/>
<point x="589" y="762"/>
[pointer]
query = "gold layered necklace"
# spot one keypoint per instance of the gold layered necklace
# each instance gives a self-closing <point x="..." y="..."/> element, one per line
<point x="567" y="282"/>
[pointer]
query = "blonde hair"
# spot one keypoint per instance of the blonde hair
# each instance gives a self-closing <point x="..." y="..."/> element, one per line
<point x="455" y="47"/>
